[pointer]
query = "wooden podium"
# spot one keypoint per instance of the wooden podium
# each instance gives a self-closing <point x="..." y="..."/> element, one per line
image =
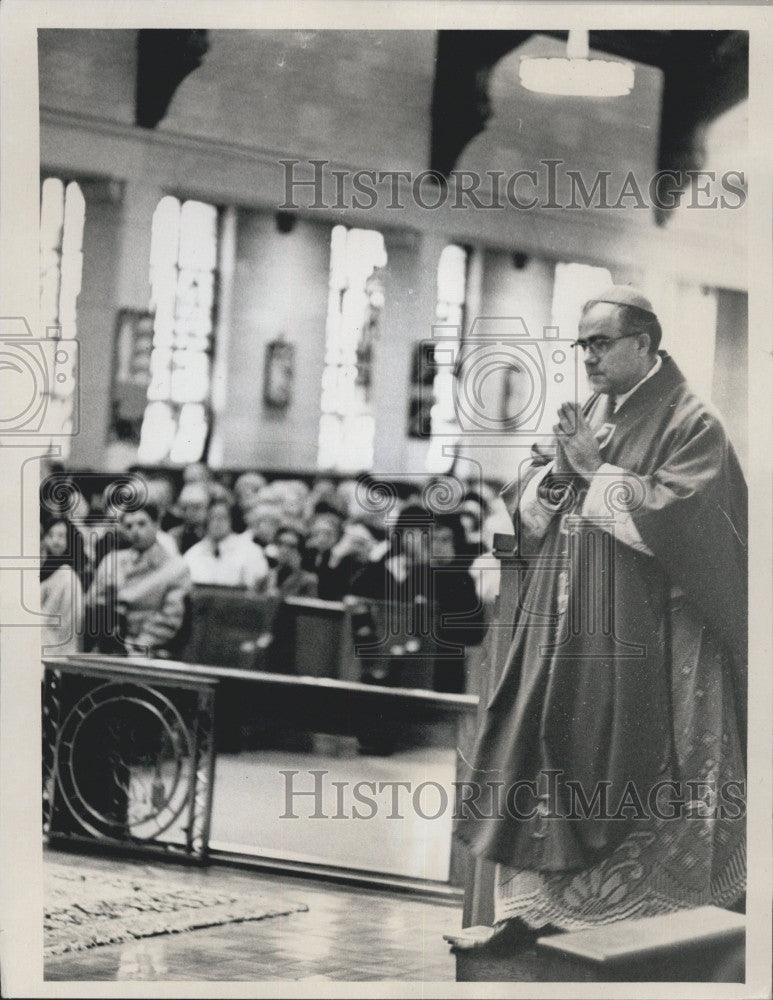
<point x="479" y="885"/>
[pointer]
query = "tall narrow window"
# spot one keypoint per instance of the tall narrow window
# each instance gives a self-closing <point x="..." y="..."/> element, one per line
<point x="183" y="285"/>
<point x="449" y="315"/>
<point x="354" y="317"/>
<point x="62" y="218"/>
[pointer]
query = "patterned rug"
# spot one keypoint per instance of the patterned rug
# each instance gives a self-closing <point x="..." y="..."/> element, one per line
<point x="84" y="908"/>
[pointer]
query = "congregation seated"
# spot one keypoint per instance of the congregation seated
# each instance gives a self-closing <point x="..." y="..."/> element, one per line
<point x="423" y="566"/>
<point x="309" y="541"/>
<point x="144" y="585"/>
<point x="222" y="557"/>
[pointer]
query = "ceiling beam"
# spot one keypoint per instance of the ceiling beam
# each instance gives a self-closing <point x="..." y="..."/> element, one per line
<point x="164" y="58"/>
<point x="460" y="97"/>
<point x="702" y="78"/>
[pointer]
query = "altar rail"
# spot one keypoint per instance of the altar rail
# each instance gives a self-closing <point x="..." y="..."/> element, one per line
<point x="321" y="704"/>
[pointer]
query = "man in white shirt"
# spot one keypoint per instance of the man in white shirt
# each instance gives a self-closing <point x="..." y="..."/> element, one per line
<point x="223" y="557"/>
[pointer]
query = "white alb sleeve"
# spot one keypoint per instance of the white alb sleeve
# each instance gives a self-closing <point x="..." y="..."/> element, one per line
<point x="607" y="482"/>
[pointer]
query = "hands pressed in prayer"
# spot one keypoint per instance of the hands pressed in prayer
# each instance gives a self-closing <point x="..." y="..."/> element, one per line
<point x="577" y="450"/>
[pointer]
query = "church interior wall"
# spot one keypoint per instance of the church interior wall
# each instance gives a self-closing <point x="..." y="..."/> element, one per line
<point x="361" y="101"/>
<point x="279" y="292"/>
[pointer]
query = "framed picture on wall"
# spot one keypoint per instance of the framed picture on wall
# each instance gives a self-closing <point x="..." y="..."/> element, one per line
<point x="278" y="374"/>
<point x="131" y="371"/>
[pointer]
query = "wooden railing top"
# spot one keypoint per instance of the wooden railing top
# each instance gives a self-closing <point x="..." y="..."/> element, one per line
<point x="170" y="671"/>
<point x="453" y="704"/>
<point x="314" y="602"/>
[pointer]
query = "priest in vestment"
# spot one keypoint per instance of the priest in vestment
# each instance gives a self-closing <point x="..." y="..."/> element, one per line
<point x="610" y="763"/>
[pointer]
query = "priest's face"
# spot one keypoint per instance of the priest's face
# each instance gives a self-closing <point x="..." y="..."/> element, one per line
<point x="614" y="360"/>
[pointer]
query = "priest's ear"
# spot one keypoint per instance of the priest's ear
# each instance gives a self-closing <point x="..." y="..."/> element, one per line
<point x="639" y="323"/>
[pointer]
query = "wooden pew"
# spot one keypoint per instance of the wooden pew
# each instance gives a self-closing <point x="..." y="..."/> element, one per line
<point x="391" y="644"/>
<point x="311" y="637"/>
<point x="222" y="621"/>
<point x="316" y="636"/>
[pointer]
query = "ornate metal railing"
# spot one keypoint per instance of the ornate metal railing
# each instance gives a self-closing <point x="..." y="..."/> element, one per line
<point x="128" y="754"/>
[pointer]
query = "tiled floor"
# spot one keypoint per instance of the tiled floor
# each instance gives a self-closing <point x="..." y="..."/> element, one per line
<point x="347" y="934"/>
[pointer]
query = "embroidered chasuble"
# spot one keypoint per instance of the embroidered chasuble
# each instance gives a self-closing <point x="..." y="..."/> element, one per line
<point x="626" y="672"/>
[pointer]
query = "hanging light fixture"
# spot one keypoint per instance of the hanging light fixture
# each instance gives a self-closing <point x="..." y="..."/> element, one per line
<point x="577" y="75"/>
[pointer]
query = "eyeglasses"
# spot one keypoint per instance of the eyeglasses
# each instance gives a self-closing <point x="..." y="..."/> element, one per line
<point x="600" y="345"/>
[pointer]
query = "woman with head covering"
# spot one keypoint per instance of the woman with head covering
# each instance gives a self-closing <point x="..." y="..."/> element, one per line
<point x="63" y="567"/>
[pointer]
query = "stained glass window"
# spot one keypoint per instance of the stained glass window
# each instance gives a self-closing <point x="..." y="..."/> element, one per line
<point x="355" y="307"/>
<point x="183" y="288"/>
